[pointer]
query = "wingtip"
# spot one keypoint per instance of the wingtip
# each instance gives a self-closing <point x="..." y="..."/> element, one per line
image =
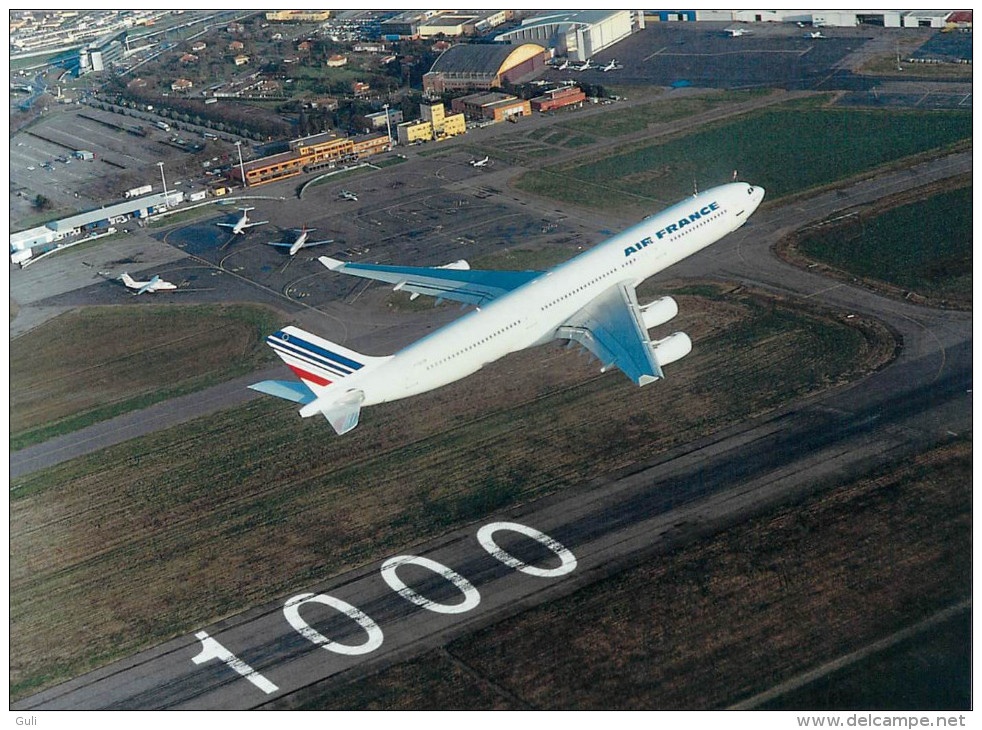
<point x="332" y="264"/>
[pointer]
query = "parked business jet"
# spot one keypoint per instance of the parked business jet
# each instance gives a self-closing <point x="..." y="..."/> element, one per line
<point x="242" y="223"/>
<point x="817" y="34"/>
<point x="585" y="66"/>
<point x="480" y="163"/>
<point x="562" y="66"/>
<point x="737" y="32"/>
<point x="300" y="241"/>
<point x="348" y="195"/>
<point x="589" y="300"/>
<point x="612" y="66"/>
<point x="154" y="285"/>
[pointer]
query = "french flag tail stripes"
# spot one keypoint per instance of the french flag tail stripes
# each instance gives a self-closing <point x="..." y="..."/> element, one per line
<point x="314" y="359"/>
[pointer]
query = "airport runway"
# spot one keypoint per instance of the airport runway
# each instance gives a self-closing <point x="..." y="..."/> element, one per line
<point x="292" y="643"/>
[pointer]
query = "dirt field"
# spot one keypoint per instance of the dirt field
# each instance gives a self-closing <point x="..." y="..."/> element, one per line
<point x="159" y="535"/>
<point x="94" y="363"/>
<point x="722" y="619"/>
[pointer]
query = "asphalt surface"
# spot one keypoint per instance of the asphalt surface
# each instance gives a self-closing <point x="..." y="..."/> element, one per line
<point x="920" y="399"/>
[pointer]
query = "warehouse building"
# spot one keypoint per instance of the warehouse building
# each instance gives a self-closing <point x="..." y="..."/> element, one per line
<point x="829" y="18"/>
<point x="558" y="98"/>
<point x="484" y="66"/>
<point x="579" y="34"/>
<point x="494" y="106"/>
<point x="91" y="221"/>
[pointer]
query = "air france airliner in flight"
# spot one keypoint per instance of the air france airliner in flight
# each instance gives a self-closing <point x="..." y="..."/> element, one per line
<point x="589" y="300"/>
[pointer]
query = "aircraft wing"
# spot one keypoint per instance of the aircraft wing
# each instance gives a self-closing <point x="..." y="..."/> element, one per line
<point x="226" y="225"/>
<point x="463" y="285"/>
<point x="254" y="223"/>
<point x="611" y="327"/>
<point x="149" y="285"/>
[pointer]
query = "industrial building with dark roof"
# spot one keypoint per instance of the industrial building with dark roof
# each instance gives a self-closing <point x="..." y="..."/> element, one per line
<point x="483" y="66"/>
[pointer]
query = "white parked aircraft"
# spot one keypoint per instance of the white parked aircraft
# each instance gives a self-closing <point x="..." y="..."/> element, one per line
<point x="562" y="66"/>
<point x="585" y="66"/>
<point x="589" y="300"/>
<point x="242" y="223"/>
<point x="817" y="34"/>
<point x="155" y="284"/>
<point x="348" y="195"/>
<point x="300" y="241"/>
<point x="480" y="163"/>
<point x="737" y="32"/>
<point x="612" y="66"/>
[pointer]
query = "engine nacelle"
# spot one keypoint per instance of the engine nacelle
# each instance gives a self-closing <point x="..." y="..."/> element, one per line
<point x="658" y="312"/>
<point x="672" y="348"/>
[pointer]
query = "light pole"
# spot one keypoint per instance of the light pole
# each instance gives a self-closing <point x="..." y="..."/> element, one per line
<point x="238" y="145"/>
<point x="388" y="125"/>
<point x="163" y="181"/>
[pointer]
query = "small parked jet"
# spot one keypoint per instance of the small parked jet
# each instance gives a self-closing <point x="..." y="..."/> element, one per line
<point x="242" y="223"/>
<point x="737" y="32"/>
<point x="562" y="66"/>
<point x="300" y="241"/>
<point x="480" y="163"/>
<point x="585" y="66"/>
<point x="348" y="195"/>
<point x="817" y="34"/>
<point x="154" y="285"/>
<point x="612" y="66"/>
<point x="589" y="300"/>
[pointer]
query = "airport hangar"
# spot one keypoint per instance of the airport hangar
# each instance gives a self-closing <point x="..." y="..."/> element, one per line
<point x="578" y="35"/>
<point x="484" y="66"/>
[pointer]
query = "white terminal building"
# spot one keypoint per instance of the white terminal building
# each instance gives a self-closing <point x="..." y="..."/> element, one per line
<point x="577" y="34"/>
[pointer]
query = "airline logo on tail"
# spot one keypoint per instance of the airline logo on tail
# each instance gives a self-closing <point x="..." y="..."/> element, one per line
<point x="312" y="359"/>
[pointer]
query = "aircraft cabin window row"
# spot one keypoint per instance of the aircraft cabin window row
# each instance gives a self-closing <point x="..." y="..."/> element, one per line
<point x="472" y="346"/>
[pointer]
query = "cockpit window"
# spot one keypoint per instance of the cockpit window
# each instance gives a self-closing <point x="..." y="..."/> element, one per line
<point x="750" y="191"/>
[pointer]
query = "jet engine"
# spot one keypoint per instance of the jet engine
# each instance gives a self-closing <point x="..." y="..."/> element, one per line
<point x="658" y="312"/>
<point x="672" y="348"/>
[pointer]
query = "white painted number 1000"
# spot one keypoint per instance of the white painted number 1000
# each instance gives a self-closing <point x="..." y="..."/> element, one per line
<point x="212" y="649"/>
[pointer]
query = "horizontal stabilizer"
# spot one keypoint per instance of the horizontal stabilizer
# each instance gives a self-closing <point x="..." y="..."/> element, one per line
<point x="287" y="390"/>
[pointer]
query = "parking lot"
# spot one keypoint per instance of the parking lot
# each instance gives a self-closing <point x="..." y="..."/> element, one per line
<point x="42" y="162"/>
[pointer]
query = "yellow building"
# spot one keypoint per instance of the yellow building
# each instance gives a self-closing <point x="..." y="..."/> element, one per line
<point x="452" y="126"/>
<point x="443" y="126"/>
<point x="298" y="16"/>
<point x="418" y="131"/>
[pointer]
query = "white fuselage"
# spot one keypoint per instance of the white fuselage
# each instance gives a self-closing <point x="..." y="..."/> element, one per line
<point x="533" y="313"/>
<point x="298" y="244"/>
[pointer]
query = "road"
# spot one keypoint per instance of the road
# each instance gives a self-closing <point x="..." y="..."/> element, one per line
<point x="922" y="398"/>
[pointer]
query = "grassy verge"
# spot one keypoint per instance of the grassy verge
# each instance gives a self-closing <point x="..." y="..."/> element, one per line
<point x="874" y="244"/>
<point x="727" y="616"/>
<point x="785" y="149"/>
<point x="619" y="120"/>
<point x="96" y="363"/>
<point x="179" y="518"/>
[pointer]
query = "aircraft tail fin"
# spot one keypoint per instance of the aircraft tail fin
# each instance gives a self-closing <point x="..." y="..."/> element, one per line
<point x="128" y="280"/>
<point x="317" y="361"/>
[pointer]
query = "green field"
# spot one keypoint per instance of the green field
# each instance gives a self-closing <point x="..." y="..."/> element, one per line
<point x="183" y="216"/>
<point x="786" y="150"/>
<point x="619" y="120"/>
<point x="92" y="364"/>
<point x="730" y="615"/>
<point x="203" y="520"/>
<point x="936" y="261"/>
